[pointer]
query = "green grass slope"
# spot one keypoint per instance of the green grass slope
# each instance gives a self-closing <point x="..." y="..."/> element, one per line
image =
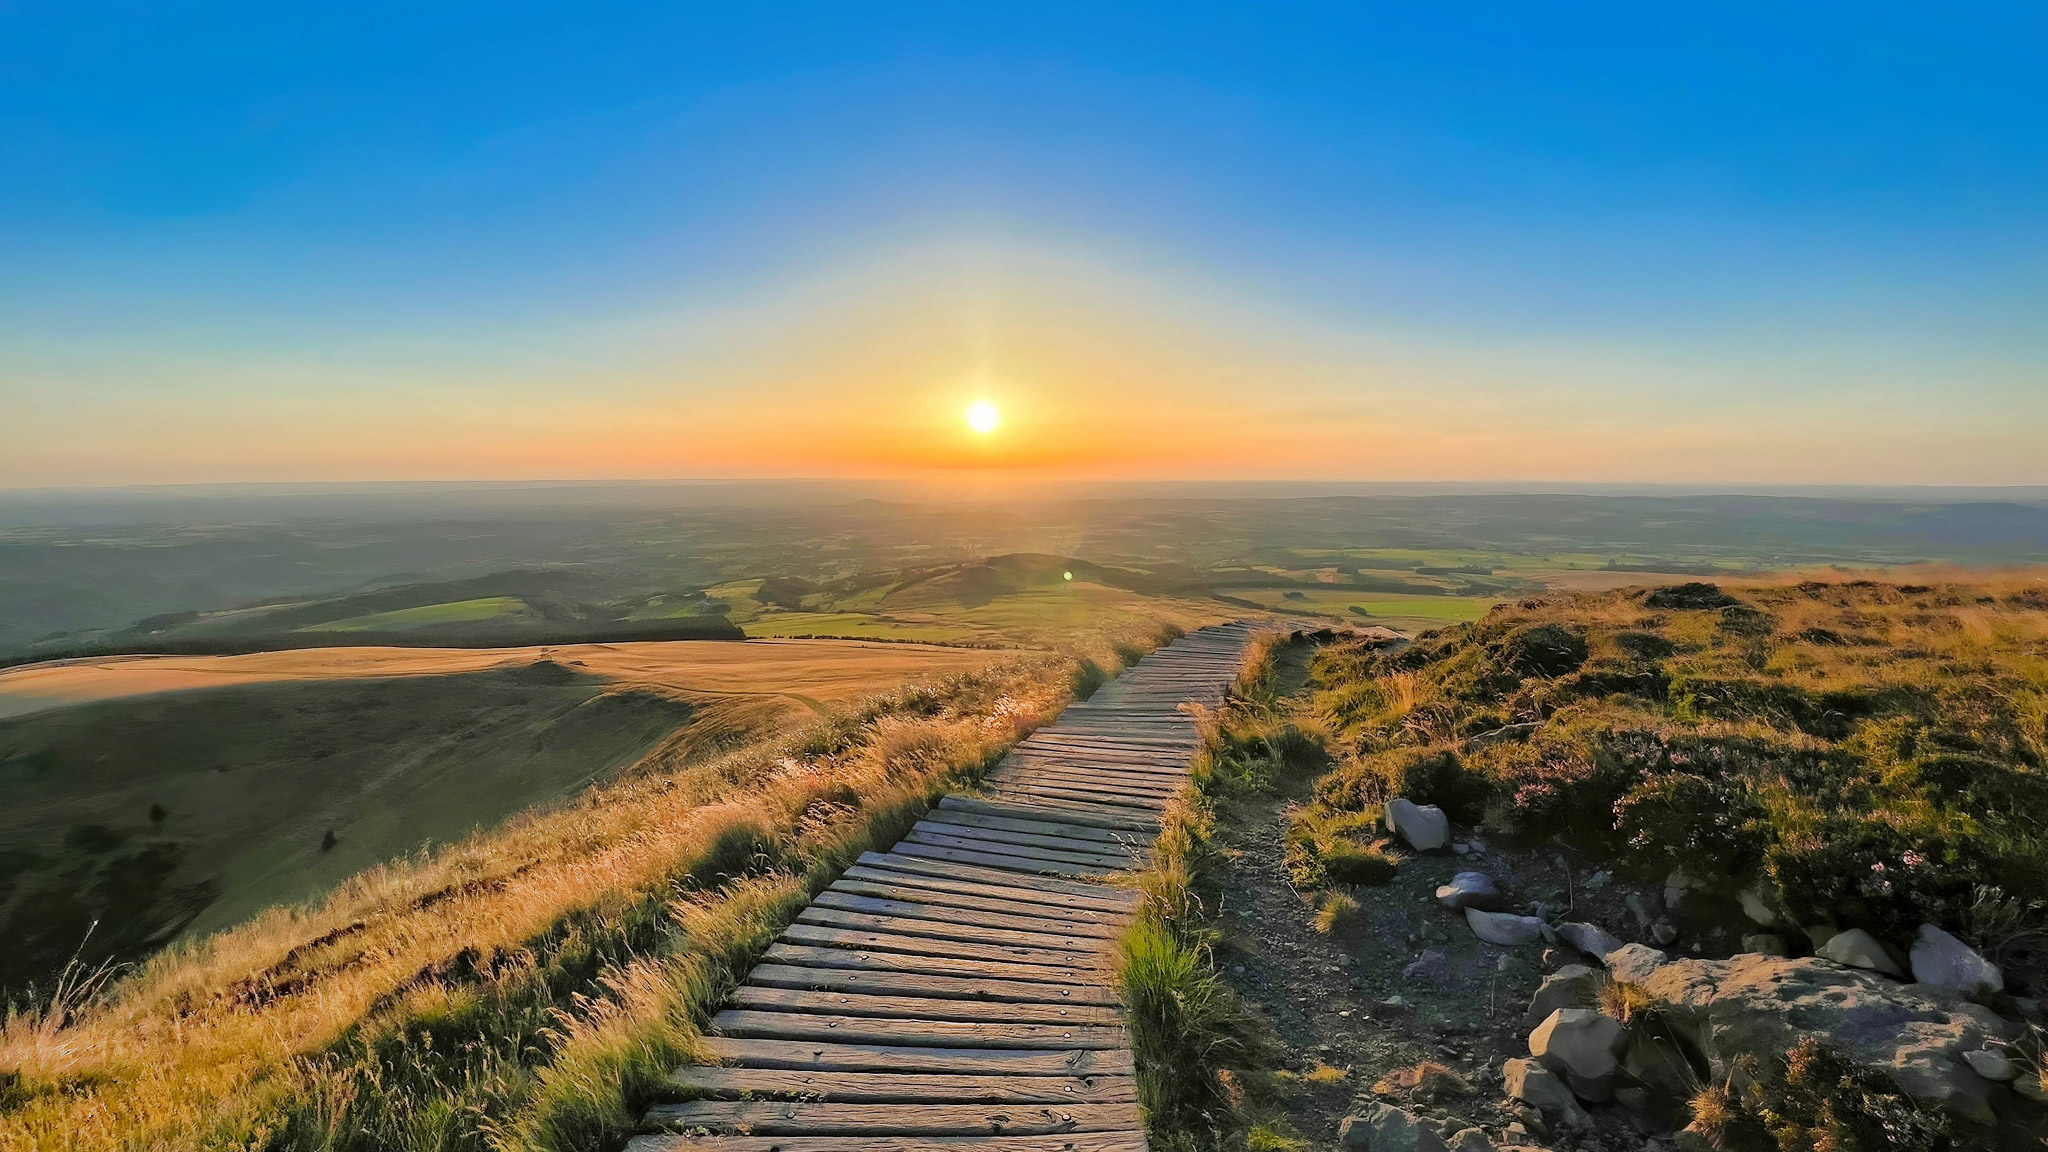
<point x="159" y="815"/>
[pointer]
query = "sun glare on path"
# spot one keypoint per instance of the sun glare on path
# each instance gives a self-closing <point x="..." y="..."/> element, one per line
<point x="983" y="417"/>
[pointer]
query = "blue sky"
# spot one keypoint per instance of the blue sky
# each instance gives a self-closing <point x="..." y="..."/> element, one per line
<point x="1562" y="242"/>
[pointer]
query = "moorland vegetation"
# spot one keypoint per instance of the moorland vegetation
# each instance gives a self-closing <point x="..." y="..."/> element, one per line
<point x="1766" y="771"/>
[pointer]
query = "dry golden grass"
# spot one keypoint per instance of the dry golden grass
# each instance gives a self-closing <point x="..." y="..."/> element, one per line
<point x="606" y="922"/>
<point x="799" y="673"/>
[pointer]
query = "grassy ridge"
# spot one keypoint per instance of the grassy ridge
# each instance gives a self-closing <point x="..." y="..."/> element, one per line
<point x="1856" y="754"/>
<point x="526" y="988"/>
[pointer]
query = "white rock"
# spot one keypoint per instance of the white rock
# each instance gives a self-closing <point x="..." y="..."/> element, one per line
<point x="1946" y="962"/>
<point x="1584" y="1047"/>
<point x="1757" y="908"/>
<point x="1572" y="986"/>
<point x="1471" y="890"/>
<point x="1503" y="927"/>
<point x="1588" y="938"/>
<point x="1633" y="963"/>
<point x="1676" y="886"/>
<point x="1423" y="826"/>
<point x="1542" y="1089"/>
<point x="1859" y="949"/>
<point x="1991" y="1065"/>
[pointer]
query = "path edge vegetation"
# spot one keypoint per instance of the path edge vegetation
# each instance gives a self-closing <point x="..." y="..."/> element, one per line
<point x="1205" y="1058"/>
<point x="562" y="1042"/>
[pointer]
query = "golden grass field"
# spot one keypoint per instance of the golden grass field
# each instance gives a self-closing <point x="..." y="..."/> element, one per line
<point x="800" y="671"/>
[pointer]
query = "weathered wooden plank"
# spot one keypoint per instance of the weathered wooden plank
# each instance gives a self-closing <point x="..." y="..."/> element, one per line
<point x="1109" y="782"/>
<point x="846" y="898"/>
<point x="1090" y="861"/>
<point x="1086" y="890"/>
<point x="1029" y="793"/>
<point x="1021" y="864"/>
<point x="986" y="991"/>
<point x="886" y="1087"/>
<point x="762" y="999"/>
<point x="1132" y="1141"/>
<point x="869" y="941"/>
<point x="942" y="930"/>
<point x="751" y="1024"/>
<point x="1112" y="821"/>
<point x="806" y="1118"/>
<point x="897" y="1058"/>
<point x="1120" y="837"/>
<point x="1013" y="887"/>
<point x="939" y="823"/>
<point x="877" y="960"/>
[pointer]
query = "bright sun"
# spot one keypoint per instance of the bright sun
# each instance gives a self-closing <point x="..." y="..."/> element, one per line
<point x="983" y="417"/>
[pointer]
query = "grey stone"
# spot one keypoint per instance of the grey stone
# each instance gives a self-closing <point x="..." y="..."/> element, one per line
<point x="1859" y="949"/>
<point x="1633" y="1099"/>
<point x="1765" y="944"/>
<point x="1588" y="938"/>
<point x="1676" y="886"/>
<point x="1503" y="927"/>
<point x="1633" y="963"/>
<point x="1757" y="907"/>
<point x="1599" y="880"/>
<point x="1423" y="826"/>
<point x="1384" y="1128"/>
<point x="1664" y="932"/>
<point x="1946" y="962"/>
<point x="1471" y="1140"/>
<point x="1763" y="1005"/>
<point x="1991" y="1065"/>
<point x="1472" y="890"/>
<point x="1572" y="986"/>
<point x="1542" y="1089"/>
<point x="1640" y="907"/>
<point x="1584" y="1047"/>
<point x="1432" y="965"/>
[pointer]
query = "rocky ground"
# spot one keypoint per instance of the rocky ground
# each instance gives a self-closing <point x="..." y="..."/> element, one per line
<point x="1402" y="983"/>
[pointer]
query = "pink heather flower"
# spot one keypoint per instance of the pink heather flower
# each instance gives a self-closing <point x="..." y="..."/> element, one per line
<point x="1912" y="859"/>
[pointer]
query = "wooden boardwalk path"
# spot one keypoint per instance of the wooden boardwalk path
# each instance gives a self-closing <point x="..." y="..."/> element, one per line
<point x="953" y="992"/>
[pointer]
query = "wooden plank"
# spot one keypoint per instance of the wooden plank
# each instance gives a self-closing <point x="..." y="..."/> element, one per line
<point x="1028" y="793"/>
<point x="842" y="897"/>
<point x="1104" y="781"/>
<point x="1014" y="888"/>
<point x="1112" y="821"/>
<point x="997" y="860"/>
<point x="967" y="894"/>
<point x="806" y="1118"/>
<point x="897" y="1058"/>
<point x="940" y="822"/>
<point x="1133" y="1141"/>
<point x="985" y="991"/>
<point x="1091" y="861"/>
<point x="807" y="956"/>
<point x="1118" y="836"/>
<point x="1086" y="890"/>
<point x="750" y="1024"/>
<point x="942" y="930"/>
<point x="918" y="1007"/>
<point x="811" y="935"/>
<point x="885" y="1087"/>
